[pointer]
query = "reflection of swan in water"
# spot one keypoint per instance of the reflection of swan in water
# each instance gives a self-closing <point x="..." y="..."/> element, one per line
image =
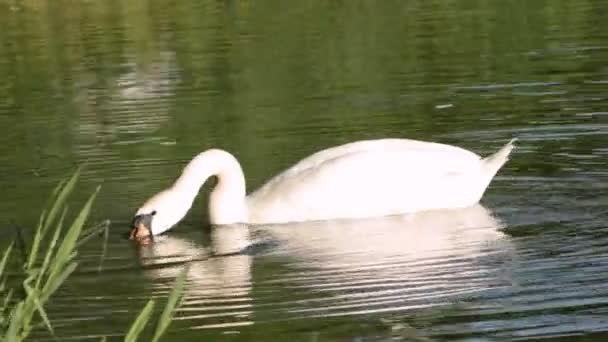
<point x="219" y="277"/>
<point x="419" y="235"/>
<point x="393" y="263"/>
<point x="336" y="267"/>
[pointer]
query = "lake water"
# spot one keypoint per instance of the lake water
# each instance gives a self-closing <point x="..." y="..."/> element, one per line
<point x="133" y="90"/>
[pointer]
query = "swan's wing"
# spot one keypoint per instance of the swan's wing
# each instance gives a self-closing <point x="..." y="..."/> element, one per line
<point x="370" y="179"/>
<point x="374" y="146"/>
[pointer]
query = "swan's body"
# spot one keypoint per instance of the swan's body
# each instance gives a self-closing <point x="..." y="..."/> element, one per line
<point x="356" y="180"/>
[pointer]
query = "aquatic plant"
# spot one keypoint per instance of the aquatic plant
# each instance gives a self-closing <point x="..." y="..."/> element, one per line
<point x="165" y="318"/>
<point x="42" y="273"/>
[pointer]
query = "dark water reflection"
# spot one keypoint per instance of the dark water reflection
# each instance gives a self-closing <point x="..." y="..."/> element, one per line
<point x="135" y="89"/>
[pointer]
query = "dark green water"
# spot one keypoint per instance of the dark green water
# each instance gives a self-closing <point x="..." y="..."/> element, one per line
<point x="135" y="89"/>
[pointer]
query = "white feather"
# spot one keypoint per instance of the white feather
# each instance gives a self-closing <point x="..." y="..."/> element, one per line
<point x="356" y="180"/>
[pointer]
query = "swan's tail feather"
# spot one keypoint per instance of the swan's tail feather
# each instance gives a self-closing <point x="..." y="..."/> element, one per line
<point x="498" y="159"/>
<point x="492" y="164"/>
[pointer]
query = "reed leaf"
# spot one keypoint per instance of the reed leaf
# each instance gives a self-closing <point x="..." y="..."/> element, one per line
<point x="35" y="299"/>
<point x="138" y="325"/>
<point x="33" y="253"/>
<point x="66" y="189"/>
<point x="4" y="261"/>
<point x="41" y="282"/>
<point x="174" y="300"/>
<point x="50" y="249"/>
<point x="29" y="306"/>
<point x="15" y="323"/>
<point x="65" y="252"/>
<point x="61" y="192"/>
<point x="7" y="301"/>
<point x="34" y="249"/>
<point x="53" y="283"/>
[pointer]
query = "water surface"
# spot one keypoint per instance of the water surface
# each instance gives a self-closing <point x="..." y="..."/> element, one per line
<point x="133" y="90"/>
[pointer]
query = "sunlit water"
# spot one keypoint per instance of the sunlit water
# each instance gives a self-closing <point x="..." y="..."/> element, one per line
<point x="133" y="90"/>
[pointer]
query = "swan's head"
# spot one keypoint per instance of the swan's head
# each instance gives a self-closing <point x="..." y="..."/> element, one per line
<point x="141" y="228"/>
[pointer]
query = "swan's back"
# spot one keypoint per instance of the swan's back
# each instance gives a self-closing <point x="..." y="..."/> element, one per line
<point x="373" y="178"/>
<point x="373" y="146"/>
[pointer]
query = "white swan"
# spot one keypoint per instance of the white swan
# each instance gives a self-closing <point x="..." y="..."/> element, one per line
<point x="356" y="180"/>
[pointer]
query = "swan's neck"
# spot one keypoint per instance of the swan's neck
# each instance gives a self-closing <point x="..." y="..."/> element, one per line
<point x="227" y="201"/>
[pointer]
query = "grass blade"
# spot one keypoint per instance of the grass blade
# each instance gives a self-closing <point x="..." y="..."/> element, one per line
<point x="4" y="261"/>
<point x="15" y="319"/>
<point x="34" y="251"/>
<point x="9" y="294"/>
<point x="62" y="195"/>
<point x="53" y="284"/>
<point x="50" y="249"/>
<point x="33" y="295"/>
<point x="7" y="300"/>
<point x="138" y="326"/>
<point x="29" y="307"/>
<point x="35" y="241"/>
<point x="65" y="250"/>
<point x="172" y="303"/>
<point x="20" y="305"/>
<point x="62" y="191"/>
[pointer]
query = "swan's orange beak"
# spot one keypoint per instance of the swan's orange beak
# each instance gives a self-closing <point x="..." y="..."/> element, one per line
<point x="140" y="234"/>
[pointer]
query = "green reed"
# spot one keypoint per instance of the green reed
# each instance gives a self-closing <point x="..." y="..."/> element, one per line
<point x="43" y="272"/>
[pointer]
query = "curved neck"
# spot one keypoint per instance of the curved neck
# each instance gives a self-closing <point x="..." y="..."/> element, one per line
<point x="227" y="200"/>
